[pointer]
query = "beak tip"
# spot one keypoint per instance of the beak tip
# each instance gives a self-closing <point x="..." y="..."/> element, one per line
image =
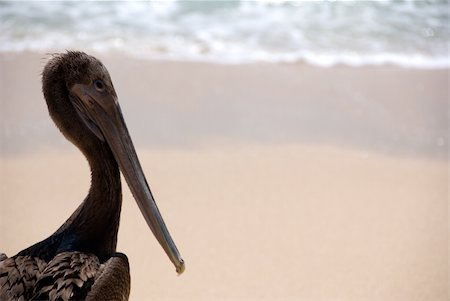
<point x="181" y="267"/>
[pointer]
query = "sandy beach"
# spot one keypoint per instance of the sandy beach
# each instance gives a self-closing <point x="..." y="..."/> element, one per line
<point x="277" y="181"/>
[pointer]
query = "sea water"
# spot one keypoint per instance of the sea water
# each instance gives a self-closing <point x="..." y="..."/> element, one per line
<point x="405" y="33"/>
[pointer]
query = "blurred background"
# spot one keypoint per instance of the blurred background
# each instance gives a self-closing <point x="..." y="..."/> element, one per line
<point x="358" y="33"/>
<point x="298" y="150"/>
<point x="405" y="34"/>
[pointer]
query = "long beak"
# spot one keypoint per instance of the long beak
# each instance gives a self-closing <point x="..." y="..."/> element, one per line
<point x="101" y="112"/>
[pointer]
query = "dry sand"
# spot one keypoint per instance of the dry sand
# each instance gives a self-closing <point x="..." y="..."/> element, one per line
<point x="278" y="182"/>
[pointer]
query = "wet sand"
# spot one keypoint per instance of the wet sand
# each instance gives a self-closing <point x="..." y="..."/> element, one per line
<point x="184" y="105"/>
<point x="278" y="182"/>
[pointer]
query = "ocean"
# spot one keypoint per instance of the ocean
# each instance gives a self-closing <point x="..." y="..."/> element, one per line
<point x="411" y="34"/>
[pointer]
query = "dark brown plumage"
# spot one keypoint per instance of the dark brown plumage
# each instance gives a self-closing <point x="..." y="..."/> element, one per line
<point x="79" y="261"/>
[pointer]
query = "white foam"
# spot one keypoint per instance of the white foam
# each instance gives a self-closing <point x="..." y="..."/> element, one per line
<point x="357" y="34"/>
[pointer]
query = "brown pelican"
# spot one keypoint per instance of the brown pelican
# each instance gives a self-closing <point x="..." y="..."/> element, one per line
<point x="79" y="261"/>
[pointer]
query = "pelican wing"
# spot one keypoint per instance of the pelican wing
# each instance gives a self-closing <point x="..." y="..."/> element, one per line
<point x="18" y="276"/>
<point x="112" y="281"/>
<point x="68" y="276"/>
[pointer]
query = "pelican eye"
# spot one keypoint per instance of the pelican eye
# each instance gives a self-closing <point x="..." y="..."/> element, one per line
<point x="99" y="85"/>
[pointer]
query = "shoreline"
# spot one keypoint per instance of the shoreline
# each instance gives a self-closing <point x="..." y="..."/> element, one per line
<point x="389" y="60"/>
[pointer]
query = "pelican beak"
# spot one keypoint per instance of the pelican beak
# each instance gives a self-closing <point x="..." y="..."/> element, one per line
<point x="101" y="113"/>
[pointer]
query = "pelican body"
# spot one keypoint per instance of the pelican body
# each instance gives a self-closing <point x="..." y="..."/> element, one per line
<point x="79" y="261"/>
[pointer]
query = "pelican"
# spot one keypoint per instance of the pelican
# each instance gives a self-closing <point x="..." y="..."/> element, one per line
<point x="79" y="261"/>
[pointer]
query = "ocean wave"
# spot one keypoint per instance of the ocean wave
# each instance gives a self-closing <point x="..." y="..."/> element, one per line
<point x="404" y="33"/>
